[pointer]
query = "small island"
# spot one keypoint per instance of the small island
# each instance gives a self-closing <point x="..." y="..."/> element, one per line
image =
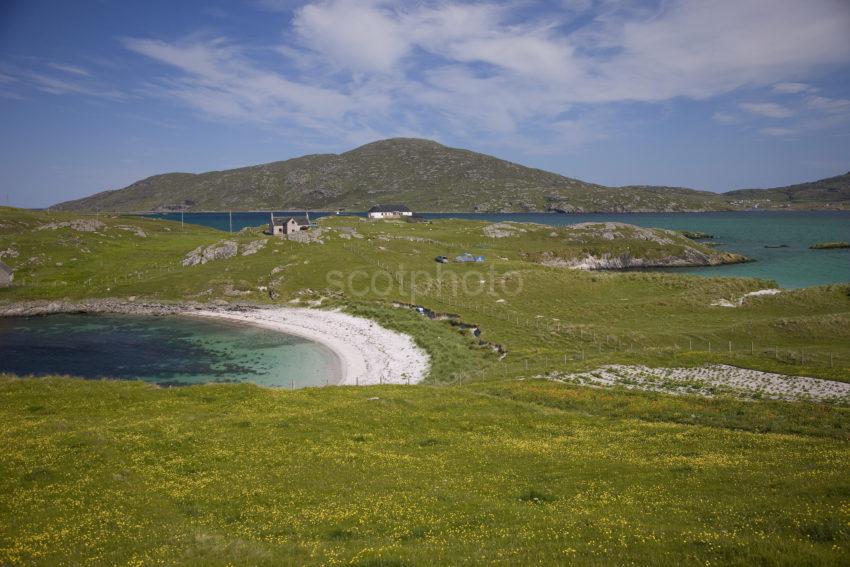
<point x="829" y="245"/>
<point x="695" y="234"/>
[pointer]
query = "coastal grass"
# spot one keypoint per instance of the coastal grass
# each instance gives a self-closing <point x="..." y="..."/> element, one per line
<point x="726" y="412"/>
<point x="484" y="463"/>
<point x="542" y="316"/>
<point x="107" y="472"/>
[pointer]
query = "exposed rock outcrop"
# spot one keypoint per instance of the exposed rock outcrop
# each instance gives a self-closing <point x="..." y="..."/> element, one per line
<point x="619" y="230"/>
<point x="218" y="251"/>
<point x="114" y="305"/>
<point x="308" y="236"/>
<point x="134" y="229"/>
<point x="502" y="230"/>
<point x="81" y="225"/>
<point x="8" y="253"/>
<point x="254" y="246"/>
<point x="690" y="257"/>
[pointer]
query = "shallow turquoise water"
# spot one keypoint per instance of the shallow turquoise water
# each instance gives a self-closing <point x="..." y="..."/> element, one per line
<point x="163" y="350"/>
<point x="744" y="232"/>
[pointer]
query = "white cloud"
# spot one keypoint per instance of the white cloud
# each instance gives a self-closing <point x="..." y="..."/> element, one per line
<point x="769" y="109"/>
<point x="358" y="35"/>
<point x="359" y="65"/>
<point x="700" y="49"/>
<point x="793" y="88"/>
<point x="219" y="80"/>
<point x="829" y="104"/>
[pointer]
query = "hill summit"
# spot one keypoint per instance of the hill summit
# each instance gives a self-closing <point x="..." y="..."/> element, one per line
<point x="423" y="174"/>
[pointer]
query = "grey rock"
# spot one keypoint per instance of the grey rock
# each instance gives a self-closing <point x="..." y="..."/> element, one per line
<point x="80" y="225"/>
<point x="218" y="251"/>
<point x="254" y="246"/>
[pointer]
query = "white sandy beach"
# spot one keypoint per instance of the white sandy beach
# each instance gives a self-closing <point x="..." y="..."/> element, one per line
<point x="368" y="353"/>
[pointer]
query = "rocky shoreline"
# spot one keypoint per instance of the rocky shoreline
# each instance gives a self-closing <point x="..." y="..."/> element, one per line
<point x="692" y="258"/>
<point x="122" y="306"/>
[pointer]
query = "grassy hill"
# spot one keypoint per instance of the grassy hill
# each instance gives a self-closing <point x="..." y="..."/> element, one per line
<point x="829" y="193"/>
<point x="423" y="174"/>
<point x="487" y="462"/>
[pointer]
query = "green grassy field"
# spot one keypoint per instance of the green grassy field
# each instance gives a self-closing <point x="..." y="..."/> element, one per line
<point x="482" y="464"/>
<point x="120" y="472"/>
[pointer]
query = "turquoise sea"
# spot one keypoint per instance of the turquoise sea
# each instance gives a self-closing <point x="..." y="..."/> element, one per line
<point x="756" y="234"/>
<point x="168" y="350"/>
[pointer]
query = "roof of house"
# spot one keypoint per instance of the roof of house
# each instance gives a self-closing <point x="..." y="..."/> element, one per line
<point x="303" y="220"/>
<point x="6" y="269"/>
<point x="389" y="209"/>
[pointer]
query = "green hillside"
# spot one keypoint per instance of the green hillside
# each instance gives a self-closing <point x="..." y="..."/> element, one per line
<point x="423" y="174"/>
<point x="829" y="193"/>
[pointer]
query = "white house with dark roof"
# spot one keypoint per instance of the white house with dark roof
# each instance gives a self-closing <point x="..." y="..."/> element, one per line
<point x="286" y="225"/>
<point x="389" y="212"/>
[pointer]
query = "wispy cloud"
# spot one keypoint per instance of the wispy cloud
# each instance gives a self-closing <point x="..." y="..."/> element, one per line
<point x="70" y="69"/>
<point x="768" y="109"/>
<point x="55" y="79"/>
<point x="346" y="67"/>
<point x="838" y="105"/>
<point x="724" y="117"/>
<point x="793" y="88"/>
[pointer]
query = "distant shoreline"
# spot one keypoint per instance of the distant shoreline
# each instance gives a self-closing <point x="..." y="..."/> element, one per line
<point x="360" y="213"/>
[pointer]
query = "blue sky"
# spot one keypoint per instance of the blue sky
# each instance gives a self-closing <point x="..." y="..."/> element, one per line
<point x="718" y="94"/>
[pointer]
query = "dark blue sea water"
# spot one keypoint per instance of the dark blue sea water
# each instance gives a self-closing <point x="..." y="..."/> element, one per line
<point x="163" y="350"/>
<point x="753" y="234"/>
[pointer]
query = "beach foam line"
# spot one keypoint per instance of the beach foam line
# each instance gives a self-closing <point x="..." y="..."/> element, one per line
<point x="368" y="353"/>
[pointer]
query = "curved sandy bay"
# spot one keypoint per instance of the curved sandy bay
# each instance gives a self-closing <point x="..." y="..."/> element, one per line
<point x="368" y="353"/>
